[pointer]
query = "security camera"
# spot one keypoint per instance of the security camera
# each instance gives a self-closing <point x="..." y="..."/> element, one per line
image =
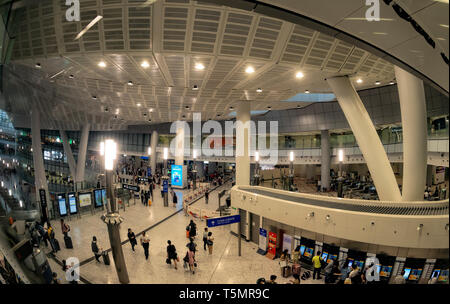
<point x="106" y="109"/>
<point x="115" y="116"/>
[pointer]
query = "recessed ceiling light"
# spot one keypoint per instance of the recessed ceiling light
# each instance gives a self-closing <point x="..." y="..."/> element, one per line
<point x="150" y="110"/>
<point x="94" y="97"/>
<point x="218" y="115"/>
<point x="199" y="66"/>
<point x="149" y="120"/>
<point x="249" y="70"/>
<point x="38" y="65"/>
<point x="102" y="64"/>
<point x="117" y="111"/>
<point x="307" y="92"/>
<point x="138" y="104"/>
<point x="298" y="107"/>
<point x="184" y="116"/>
<point x="377" y="82"/>
<point x="130" y="83"/>
<point x="145" y="64"/>
<point x="186" y="107"/>
<point x="269" y="107"/>
<point x="259" y="90"/>
<point x="145" y="114"/>
<point x="359" y="80"/>
<point x="231" y="108"/>
<point x="392" y="82"/>
<point x="299" y="75"/>
<point x="195" y="88"/>
<point x="71" y="76"/>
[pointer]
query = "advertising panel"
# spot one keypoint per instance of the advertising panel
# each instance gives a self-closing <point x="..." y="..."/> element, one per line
<point x="73" y="203"/>
<point x="62" y="204"/>
<point x="287" y="243"/>
<point x="262" y="239"/>
<point x="85" y="199"/>
<point x="104" y="198"/>
<point x="177" y="175"/>
<point x="98" y="198"/>
<point x="272" y="244"/>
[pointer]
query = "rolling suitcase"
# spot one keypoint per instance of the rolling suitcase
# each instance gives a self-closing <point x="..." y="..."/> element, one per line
<point x="286" y="272"/>
<point x="296" y="269"/>
<point x="105" y="256"/>
<point x="68" y="242"/>
<point x="55" y="244"/>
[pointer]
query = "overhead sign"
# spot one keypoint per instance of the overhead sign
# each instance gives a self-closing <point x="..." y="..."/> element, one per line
<point x="131" y="187"/>
<point x="221" y="221"/>
<point x="143" y="179"/>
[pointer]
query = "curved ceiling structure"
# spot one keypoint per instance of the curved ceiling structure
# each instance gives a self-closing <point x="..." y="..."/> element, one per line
<point x="154" y="55"/>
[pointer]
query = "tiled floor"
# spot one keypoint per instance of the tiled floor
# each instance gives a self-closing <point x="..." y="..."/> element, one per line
<point x="223" y="266"/>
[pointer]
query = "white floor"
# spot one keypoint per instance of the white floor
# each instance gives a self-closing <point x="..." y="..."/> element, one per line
<point x="223" y="266"/>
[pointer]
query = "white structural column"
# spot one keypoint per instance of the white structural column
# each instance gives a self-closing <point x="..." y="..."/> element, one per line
<point x="368" y="141"/>
<point x="326" y="159"/>
<point x="82" y="149"/>
<point x="179" y="141"/>
<point x="40" y="179"/>
<point x="243" y="143"/>
<point x="69" y="154"/>
<point x="153" y="145"/>
<point x="414" y="124"/>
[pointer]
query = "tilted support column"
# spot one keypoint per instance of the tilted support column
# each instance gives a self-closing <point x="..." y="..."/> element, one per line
<point x="414" y="124"/>
<point x="368" y="141"/>
<point x="326" y="159"/>
<point x="153" y="145"/>
<point x="69" y="154"/>
<point x="82" y="149"/>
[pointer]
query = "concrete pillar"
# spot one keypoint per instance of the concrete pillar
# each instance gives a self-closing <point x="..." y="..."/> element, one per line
<point x="40" y="180"/>
<point x="414" y="124"/>
<point x="179" y="141"/>
<point x="430" y="170"/>
<point x="153" y="144"/>
<point x="243" y="118"/>
<point x="82" y="149"/>
<point x="367" y="138"/>
<point x="326" y="159"/>
<point x="69" y="154"/>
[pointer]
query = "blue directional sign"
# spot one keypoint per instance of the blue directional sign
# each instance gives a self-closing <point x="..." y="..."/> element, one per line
<point x="165" y="185"/>
<point x="220" y="221"/>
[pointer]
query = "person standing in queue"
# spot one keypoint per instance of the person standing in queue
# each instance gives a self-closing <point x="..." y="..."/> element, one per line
<point x="95" y="248"/>
<point x="192" y="229"/>
<point x="210" y="242"/>
<point x="145" y="242"/>
<point x="317" y="263"/>
<point x="132" y="238"/>
<point x="205" y="238"/>
<point x="172" y="253"/>
<point x="206" y="197"/>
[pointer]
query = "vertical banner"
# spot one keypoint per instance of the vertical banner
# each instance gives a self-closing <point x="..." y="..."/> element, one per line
<point x="149" y="171"/>
<point x="272" y="251"/>
<point x="287" y="242"/>
<point x="262" y="241"/>
<point x="43" y="199"/>
<point x="165" y="185"/>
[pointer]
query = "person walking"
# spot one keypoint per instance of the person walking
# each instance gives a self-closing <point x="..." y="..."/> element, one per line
<point x="64" y="228"/>
<point x="172" y="253"/>
<point x="150" y="188"/>
<point x="174" y="199"/>
<point x="210" y="242"/>
<point x="192" y="229"/>
<point x="142" y="197"/>
<point x="132" y="238"/>
<point x="206" y="197"/>
<point x="95" y="248"/>
<point x="317" y="263"/>
<point x="205" y="238"/>
<point x="191" y="245"/>
<point x="145" y="242"/>
<point x="190" y="259"/>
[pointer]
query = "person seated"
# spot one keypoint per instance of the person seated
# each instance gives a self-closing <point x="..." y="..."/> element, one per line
<point x="272" y="279"/>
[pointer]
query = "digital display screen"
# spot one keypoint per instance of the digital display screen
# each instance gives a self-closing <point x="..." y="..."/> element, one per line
<point x="105" y="202"/>
<point x="325" y="256"/>
<point x="436" y="273"/>
<point x="98" y="198"/>
<point x="385" y="271"/>
<point x="309" y="252"/>
<point x="350" y="263"/>
<point x="85" y="199"/>
<point x="332" y="257"/>
<point x="443" y="277"/>
<point x="360" y="264"/>
<point x="62" y="204"/>
<point x="73" y="203"/>
<point x="177" y="175"/>
<point x="407" y="272"/>
<point x="415" y="274"/>
<point x="302" y="249"/>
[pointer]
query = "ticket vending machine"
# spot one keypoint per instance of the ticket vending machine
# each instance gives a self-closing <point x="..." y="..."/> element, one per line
<point x="413" y="270"/>
<point x="307" y="247"/>
<point x="440" y="271"/>
<point x="385" y="267"/>
<point x="329" y="252"/>
<point x="356" y="257"/>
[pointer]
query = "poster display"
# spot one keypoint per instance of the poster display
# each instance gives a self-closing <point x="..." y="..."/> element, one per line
<point x="272" y="251"/>
<point x="104" y="197"/>
<point x="287" y="243"/>
<point x="263" y="239"/>
<point x="72" y="203"/>
<point x="85" y="199"/>
<point x="165" y="185"/>
<point x="62" y="204"/>
<point x="98" y="198"/>
<point x="177" y="176"/>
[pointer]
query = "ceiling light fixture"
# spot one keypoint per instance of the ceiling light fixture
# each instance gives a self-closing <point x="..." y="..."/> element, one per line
<point x="150" y="110"/>
<point x="231" y="108"/>
<point x="71" y="76"/>
<point x="94" y="97"/>
<point x="269" y="108"/>
<point x="249" y="70"/>
<point x="195" y="88"/>
<point x="186" y="107"/>
<point x="307" y="92"/>
<point x="299" y="75"/>
<point x="38" y="65"/>
<point x="258" y="90"/>
<point x="199" y="66"/>
<point x="130" y="83"/>
<point x="377" y="82"/>
<point x="138" y="104"/>
<point x="359" y="80"/>
<point x="145" y="64"/>
<point x="102" y="64"/>
<point x="392" y="82"/>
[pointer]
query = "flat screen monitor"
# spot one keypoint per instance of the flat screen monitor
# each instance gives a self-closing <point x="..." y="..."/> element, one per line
<point x="62" y="204"/>
<point x="415" y="274"/>
<point x="302" y="249"/>
<point x="104" y="197"/>
<point x="350" y="263"/>
<point x="325" y="256"/>
<point x="436" y="273"/>
<point x="385" y="271"/>
<point x="407" y="272"/>
<point x="85" y="199"/>
<point x="177" y="175"/>
<point x="98" y="198"/>
<point x="443" y="276"/>
<point x="72" y="203"/>
<point x="309" y="252"/>
<point x="332" y="257"/>
<point x="360" y="264"/>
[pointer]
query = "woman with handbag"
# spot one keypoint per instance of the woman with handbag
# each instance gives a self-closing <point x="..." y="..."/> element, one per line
<point x="210" y="242"/>
<point x="172" y="254"/>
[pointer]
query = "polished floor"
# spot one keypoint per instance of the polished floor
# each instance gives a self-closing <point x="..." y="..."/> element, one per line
<point x="223" y="266"/>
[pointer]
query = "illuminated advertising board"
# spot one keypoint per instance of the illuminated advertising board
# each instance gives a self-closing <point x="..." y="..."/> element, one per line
<point x="177" y="175"/>
<point x="62" y="204"/>
<point x="72" y="203"/>
<point x="85" y="199"/>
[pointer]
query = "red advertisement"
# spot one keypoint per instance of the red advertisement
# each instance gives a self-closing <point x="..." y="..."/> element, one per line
<point x="272" y="250"/>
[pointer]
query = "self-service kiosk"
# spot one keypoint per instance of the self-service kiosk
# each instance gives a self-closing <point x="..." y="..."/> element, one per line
<point x="440" y="271"/>
<point x="62" y="204"/>
<point x="413" y="270"/>
<point x="73" y="207"/>
<point x="329" y="252"/>
<point x="385" y="267"/>
<point x="356" y="257"/>
<point x="307" y="250"/>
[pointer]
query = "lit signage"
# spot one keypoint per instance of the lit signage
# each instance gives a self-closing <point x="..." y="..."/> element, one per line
<point x="177" y="175"/>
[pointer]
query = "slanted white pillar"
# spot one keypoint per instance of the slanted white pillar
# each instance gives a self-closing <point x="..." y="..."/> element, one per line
<point x="367" y="138"/>
<point x="414" y="124"/>
<point x="243" y="118"/>
<point x="40" y="180"/>
<point x="69" y="154"/>
<point x="179" y="141"/>
<point x="82" y="149"/>
<point x="153" y="144"/>
<point x="326" y="159"/>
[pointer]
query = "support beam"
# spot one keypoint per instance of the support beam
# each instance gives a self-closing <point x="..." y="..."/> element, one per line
<point x="368" y="141"/>
<point x="243" y="118"/>
<point x="69" y="154"/>
<point x="82" y="149"/>
<point x="179" y="149"/>
<point x="326" y="159"/>
<point x="414" y="124"/>
<point x="153" y="144"/>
